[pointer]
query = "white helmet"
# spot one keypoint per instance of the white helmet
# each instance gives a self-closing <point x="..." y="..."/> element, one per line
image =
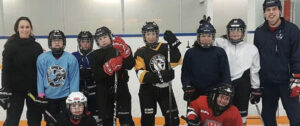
<point x="76" y="97"/>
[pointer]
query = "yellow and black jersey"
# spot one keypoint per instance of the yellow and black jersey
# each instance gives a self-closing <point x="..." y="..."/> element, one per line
<point x="149" y="61"/>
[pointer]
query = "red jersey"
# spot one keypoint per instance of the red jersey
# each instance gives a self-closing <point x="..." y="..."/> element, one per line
<point x="230" y="117"/>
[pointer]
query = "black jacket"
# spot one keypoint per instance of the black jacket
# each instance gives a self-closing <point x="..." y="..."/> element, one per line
<point x="279" y="52"/>
<point x="19" y="72"/>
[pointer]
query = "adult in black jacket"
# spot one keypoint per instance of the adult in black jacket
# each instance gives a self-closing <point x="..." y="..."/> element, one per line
<point x="19" y="73"/>
<point x="278" y="42"/>
<point x="113" y="56"/>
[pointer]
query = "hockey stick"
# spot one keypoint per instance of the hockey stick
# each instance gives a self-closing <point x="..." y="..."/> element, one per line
<point x="46" y="111"/>
<point x="115" y="97"/>
<point x="170" y="88"/>
<point x="259" y="114"/>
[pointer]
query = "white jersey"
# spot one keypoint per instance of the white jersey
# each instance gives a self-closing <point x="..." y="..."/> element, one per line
<point x="241" y="57"/>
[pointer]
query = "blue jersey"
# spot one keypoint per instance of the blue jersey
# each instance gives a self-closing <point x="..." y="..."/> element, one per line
<point x="57" y="78"/>
<point x="87" y="84"/>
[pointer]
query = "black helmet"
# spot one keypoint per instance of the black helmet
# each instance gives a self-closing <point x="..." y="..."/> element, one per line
<point x="101" y="32"/>
<point x="225" y="89"/>
<point x="270" y="3"/>
<point x="150" y="27"/>
<point x="53" y="35"/>
<point x="85" y="36"/>
<point x="205" y="28"/>
<point x="236" y="24"/>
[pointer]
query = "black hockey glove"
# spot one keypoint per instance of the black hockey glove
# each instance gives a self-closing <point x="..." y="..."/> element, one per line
<point x="295" y="86"/>
<point x="41" y="102"/>
<point x="4" y="98"/>
<point x="188" y="93"/>
<point x="255" y="95"/>
<point x="167" y="75"/>
<point x="194" y="122"/>
<point x="171" y="39"/>
<point x="85" y="74"/>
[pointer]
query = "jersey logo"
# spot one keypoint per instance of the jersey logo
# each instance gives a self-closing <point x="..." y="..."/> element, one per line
<point x="56" y="76"/>
<point x="212" y="123"/>
<point x="279" y="35"/>
<point x="157" y="63"/>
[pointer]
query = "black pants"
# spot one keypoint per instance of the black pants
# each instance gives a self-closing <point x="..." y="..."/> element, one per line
<point x="149" y="95"/>
<point x="105" y="103"/>
<point x="13" y="114"/>
<point x="242" y="88"/>
<point x="57" y="109"/>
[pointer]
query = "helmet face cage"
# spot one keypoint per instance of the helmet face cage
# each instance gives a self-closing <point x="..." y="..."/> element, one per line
<point x="236" y="25"/>
<point x="270" y="3"/>
<point x="102" y="31"/>
<point x="76" y="99"/>
<point x="150" y="27"/>
<point x="225" y="89"/>
<point x="85" y="36"/>
<point x="54" y="35"/>
<point x="206" y="28"/>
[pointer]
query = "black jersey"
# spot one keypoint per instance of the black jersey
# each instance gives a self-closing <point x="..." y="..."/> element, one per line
<point x="150" y="60"/>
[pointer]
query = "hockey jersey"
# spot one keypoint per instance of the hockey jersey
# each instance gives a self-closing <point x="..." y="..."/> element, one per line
<point x="204" y="68"/>
<point x="152" y="60"/>
<point x="241" y="57"/>
<point x="201" y="110"/>
<point x="57" y="78"/>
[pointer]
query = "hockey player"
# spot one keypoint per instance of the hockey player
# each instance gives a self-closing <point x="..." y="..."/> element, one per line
<point x="58" y="76"/>
<point x="154" y="74"/>
<point x="278" y="43"/>
<point x="77" y="108"/>
<point x="204" y="65"/>
<point x="87" y="85"/>
<point x="216" y="109"/>
<point x="19" y="74"/>
<point x="244" y="65"/>
<point x="113" y="56"/>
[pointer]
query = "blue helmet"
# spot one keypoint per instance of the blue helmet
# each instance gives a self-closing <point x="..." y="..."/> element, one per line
<point x="271" y="3"/>
<point x="205" y="28"/>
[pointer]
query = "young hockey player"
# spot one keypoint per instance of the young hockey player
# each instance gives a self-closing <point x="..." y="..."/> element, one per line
<point x="204" y="65"/>
<point x="244" y="65"/>
<point x="155" y="73"/>
<point x="113" y="56"/>
<point x="77" y="108"/>
<point x="58" y="76"/>
<point x="19" y="74"/>
<point x="278" y="43"/>
<point x="87" y="84"/>
<point x="216" y="109"/>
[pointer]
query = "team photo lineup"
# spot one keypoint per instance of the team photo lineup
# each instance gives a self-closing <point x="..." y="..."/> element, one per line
<point x="220" y="75"/>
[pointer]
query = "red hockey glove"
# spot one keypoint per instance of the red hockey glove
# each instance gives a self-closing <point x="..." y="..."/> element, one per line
<point x="120" y="44"/>
<point x="295" y="86"/>
<point x="255" y="95"/>
<point x="171" y="39"/>
<point x="113" y="65"/>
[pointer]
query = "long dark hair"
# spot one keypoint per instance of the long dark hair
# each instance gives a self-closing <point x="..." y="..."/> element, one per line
<point x="16" y="34"/>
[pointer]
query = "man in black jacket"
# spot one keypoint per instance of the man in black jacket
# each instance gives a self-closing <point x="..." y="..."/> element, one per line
<point x="278" y="42"/>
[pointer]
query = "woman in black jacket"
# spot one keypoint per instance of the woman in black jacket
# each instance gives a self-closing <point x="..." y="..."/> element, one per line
<point x="19" y="73"/>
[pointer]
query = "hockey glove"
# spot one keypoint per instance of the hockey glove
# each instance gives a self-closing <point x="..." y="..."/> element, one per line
<point x="295" y="86"/>
<point x="167" y="75"/>
<point x="39" y="101"/>
<point x="171" y="39"/>
<point x="188" y="93"/>
<point x="113" y="65"/>
<point x="4" y="98"/>
<point x="120" y="44"/>
<point x="255" y="95"/>
<point x="192" y="122"/>
<point x="85" y="74"/>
